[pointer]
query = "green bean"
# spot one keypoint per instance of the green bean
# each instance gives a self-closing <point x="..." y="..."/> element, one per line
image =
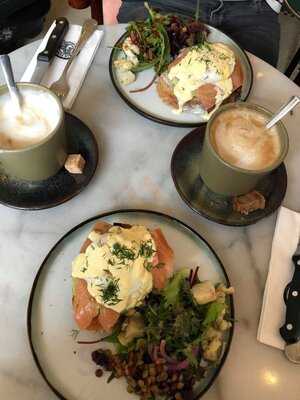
<point x="143" y="66"/>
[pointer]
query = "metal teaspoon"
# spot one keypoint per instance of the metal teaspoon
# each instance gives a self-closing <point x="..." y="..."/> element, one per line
<point x="10" y="82"/>
<point x="283" y="111"/>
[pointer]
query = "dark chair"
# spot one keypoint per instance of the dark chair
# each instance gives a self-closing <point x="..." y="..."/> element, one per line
<point x="96" y="8"/>
<point x="293" y="70"/>
<point x="20" y="20"/>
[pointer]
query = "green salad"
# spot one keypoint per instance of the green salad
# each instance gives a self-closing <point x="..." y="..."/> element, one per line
<point x="170" y="341"/>
<point x="155" y="42"/>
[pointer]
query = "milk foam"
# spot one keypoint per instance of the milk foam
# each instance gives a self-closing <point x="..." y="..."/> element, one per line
<point x="38" y="117"/>
<point x="240" y="139"/>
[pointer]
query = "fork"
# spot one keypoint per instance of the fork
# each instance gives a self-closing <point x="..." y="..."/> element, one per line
<point x="61" y="87"/>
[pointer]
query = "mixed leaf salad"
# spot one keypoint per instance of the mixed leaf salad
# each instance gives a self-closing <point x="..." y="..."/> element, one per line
<point x="155" y="41"/>
<point x="166" y="344"/>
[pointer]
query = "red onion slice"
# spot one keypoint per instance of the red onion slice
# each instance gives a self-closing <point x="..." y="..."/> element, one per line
<point x="194" y="277"/>
<point x="155" y="353"/>
<point x="179" y="366"/>
<point x="162" y="349"/>
<point x="183" y="364"/>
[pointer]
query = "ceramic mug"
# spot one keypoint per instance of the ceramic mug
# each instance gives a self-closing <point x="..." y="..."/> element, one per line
<point x="45" y="157"/>
<point x="228" y="180"/>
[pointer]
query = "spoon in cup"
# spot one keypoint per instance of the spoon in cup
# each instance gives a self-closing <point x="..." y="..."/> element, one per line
<point x="283" y="111"/>
<point x="10" y="82"/>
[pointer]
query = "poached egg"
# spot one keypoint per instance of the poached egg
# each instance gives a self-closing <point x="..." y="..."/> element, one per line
<point x="206" y="63"/>
<point x="117" y="265"/>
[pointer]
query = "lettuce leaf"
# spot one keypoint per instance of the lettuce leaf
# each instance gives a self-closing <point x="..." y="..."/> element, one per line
<point x="214" y="310"/>
<point x="172" y="290"/>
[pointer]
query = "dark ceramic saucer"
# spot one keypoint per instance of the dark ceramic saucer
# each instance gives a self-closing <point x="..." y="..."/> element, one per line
<point x="61" y="187"/>
<point x="185" y="173"/>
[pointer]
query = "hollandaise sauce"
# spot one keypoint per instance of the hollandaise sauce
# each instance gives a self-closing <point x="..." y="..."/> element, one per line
<point x="117" y="266"/>
<point x="207" y="63"/>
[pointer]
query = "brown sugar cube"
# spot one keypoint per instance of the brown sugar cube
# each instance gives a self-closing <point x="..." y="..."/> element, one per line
<point x="249" y="202"/>
<point x="75" y="164"/>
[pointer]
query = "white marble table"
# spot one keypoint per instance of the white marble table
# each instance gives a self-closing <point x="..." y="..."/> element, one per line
<point x="135" y="173"/>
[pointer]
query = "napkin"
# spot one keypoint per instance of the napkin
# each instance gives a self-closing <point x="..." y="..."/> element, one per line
<point x="281" y="270"/>
<point x="78" y="68"/>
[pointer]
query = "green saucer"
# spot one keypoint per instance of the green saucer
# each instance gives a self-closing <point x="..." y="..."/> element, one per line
<point x="217" y="208"/>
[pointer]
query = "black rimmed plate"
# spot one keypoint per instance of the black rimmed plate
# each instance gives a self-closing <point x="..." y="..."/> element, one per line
<point x="66" y="365"/>
<point x="61" y="187"/>
<point x="149" y="104"/>
<point x="188" y="182"/>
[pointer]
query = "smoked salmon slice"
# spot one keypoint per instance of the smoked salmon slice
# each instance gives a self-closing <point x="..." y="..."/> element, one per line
<point x="86" y="308"/>
<point x="107" y="318"/>
<point x="165" y="265"/>
<point x="89" y="314"/>
<point x="206" y="95"/>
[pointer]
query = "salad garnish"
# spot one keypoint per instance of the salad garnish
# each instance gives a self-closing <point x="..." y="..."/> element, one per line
<point x="109" y="292"/>
<point x="153" y="43"/>
<point x="122" y="252"/>
<point x="169" y="341"/>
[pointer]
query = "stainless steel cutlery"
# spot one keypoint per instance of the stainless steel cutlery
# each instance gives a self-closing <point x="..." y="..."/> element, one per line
<point x="61" y="87"/>
<point x="45" y="57"/>
<point x="290" y="331"/>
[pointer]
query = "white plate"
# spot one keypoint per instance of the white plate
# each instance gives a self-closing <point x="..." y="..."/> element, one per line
<point x="149" y="104"/>
<point x="66" y="365"/>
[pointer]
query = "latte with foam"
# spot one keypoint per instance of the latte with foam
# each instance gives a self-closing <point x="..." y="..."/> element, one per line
<point x="38" y="118"/>
<point x="240" y="139"/>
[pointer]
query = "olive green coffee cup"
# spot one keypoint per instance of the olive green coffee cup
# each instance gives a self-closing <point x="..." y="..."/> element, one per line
<point x="228" y="180"/>
<point x="44" y="158"/>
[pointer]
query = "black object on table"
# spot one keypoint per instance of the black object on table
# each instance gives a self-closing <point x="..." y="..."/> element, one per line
<point x="20" y="20"/>
<point x="293" y="8"/>
<point x="295" y="63"/>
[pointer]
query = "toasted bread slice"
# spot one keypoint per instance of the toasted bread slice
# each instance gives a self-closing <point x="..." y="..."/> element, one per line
<point x="165" y="91"/>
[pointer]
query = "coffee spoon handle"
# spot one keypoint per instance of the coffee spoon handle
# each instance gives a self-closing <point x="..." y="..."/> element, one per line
<point x="9" y="78"/>
<point x="283" y="111"/>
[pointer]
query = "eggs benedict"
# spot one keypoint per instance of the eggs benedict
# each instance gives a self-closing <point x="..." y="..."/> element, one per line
<point x="118" y="266"/>
<point x="200" y="78"/>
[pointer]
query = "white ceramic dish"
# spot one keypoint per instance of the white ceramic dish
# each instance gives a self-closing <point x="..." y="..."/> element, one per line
<point x="148" y="103"/>
<point x="66" y="365"/>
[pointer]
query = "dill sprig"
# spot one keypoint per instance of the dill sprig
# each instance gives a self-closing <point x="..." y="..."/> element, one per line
<point x="110" y="292"/>
<point x="148" y="265"/>
<point x="122" y="252"/>
<point x="146" y="249"/>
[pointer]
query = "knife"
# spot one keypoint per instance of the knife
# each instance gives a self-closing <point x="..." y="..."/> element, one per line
<point x="290" y="331"/>
<point x="44" y="58"/>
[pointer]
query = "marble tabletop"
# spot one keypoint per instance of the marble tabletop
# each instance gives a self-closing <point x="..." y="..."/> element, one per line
<point x="134" y="172"/>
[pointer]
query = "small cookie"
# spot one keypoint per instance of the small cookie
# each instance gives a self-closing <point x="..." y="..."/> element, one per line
<point x="249" y="202"/>
<point x="75" y="164"/>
